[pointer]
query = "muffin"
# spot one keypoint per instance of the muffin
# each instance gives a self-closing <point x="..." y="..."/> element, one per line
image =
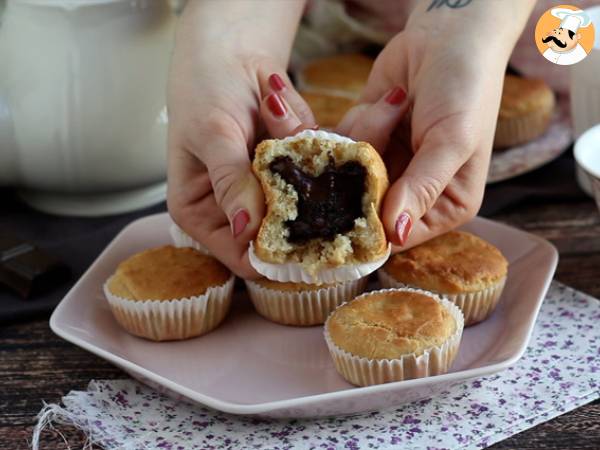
<point x="393" y="335"/>
<point x="525" y="111"/>
<point x="457" y="265"/>
<point x="323" y="193"/>
<point x="301" y="304"/>
<point x="341" y="75"/>
<point x="169" y="293"/>
<point x="327" y="109"/>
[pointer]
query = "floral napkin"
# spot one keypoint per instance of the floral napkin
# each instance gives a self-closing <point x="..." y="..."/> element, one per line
<point x="559" y="372"/>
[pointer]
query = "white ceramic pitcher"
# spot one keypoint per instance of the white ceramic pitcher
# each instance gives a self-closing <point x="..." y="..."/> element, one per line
<point x="82" y="102"/>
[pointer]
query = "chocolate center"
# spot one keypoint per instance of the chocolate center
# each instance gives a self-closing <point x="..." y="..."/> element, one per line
<point x="327" y="204"/>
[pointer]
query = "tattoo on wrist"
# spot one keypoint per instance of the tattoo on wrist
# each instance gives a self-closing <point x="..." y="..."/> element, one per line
<point x="454" y="4"/>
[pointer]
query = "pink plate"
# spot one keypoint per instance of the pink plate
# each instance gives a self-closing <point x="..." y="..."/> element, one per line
<point x="252" y="366"/>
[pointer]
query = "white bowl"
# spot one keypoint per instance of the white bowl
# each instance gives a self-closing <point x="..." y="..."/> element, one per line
<point x="587" y="155"/>
<point x="585" y="94"/>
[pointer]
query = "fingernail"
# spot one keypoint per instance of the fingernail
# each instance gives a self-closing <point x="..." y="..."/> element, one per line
<point x="396" y="96"/>
<point x="275" y="105"/>
<point x="276" y="82"/>
<point x="316" y="127"/>
<point x="240" y="220"/>
<point x="403" y="226"/>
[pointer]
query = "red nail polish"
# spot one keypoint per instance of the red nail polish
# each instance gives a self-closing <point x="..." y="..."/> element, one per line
<point x="396" y="96"/>
<point x="403" y="226"/>
<point x="276" y="82"/>
<point x="240" y="220"/>
<point x="276" y="105"/>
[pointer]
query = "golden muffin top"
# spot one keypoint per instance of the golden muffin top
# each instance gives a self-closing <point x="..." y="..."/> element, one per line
<point x="167" y="273"/>
<point x="390" y="324"/>
<point x="522" y="96"/>
<point x="348" y="72"/>
<point x="289" y="286"/>
<point x="452" y="263"/>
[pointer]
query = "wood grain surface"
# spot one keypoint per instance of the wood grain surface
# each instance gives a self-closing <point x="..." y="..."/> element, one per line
<point x="37" y="366"/>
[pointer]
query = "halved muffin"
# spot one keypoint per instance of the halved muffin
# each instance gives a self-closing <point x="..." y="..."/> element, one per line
<point x="323" y="193"/>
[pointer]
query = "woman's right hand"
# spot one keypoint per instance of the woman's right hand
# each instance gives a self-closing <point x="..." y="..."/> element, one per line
<point x="216" y="83"/>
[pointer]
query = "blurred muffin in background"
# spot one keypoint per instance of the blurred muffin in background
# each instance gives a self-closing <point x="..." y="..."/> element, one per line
<point x="331" y="85"/>
<point x="525" y="111"/>
<point x="328" y="109"/>
<point x="340" y="75"/>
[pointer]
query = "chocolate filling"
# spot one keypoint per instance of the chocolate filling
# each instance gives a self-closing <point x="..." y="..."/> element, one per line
<point x="327" y="204"/>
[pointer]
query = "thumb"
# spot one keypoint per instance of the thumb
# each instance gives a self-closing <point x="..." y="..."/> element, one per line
<point x="413" y="194"/>
<point x="237" y="191"/>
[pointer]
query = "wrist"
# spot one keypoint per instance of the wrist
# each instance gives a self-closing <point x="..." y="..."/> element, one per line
<point x="471" y="26"/>
<point x="237" y="29"/>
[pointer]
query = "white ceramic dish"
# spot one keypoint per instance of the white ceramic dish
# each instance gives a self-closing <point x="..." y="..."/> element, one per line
<point x="585" y="94"/>
<point x="587" y="155"/>
<point x="254" y="367"/>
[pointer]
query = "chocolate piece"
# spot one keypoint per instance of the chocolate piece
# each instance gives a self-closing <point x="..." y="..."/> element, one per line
<point x="328" y="204"/>
<point x="26" y="269"/>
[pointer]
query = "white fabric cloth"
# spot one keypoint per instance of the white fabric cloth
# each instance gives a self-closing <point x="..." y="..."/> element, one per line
<point x="559" y="372"/>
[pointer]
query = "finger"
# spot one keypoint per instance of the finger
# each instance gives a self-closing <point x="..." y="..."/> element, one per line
<point x="459" y="203"/>
<point x="237" y="191"/>
<point x="350" y="118"/>
<point x="282" y="86"/>
<point x="416" y="191"/>
<point x="376" y="122"/>
<point x="279" y="119"/>
<point x="193" y="207"/>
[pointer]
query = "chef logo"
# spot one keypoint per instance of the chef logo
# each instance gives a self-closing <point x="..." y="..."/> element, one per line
<point x="564" y="35"/>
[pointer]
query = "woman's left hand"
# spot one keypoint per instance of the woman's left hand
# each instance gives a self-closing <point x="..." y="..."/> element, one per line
<point x="430" y="107"/>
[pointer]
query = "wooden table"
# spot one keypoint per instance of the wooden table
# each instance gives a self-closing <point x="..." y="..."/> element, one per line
<point x="36" y="365"/>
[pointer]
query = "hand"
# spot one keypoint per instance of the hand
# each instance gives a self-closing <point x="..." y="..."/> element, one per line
<point x="430" y="107"/>
<point x="215" y="109"/>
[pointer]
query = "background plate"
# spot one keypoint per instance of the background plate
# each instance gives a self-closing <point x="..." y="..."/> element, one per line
<point x="252" y="366"/>
<point x="521" y="159"/>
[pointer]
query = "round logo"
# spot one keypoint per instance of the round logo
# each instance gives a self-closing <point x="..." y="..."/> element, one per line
<point x="564" y="35"/>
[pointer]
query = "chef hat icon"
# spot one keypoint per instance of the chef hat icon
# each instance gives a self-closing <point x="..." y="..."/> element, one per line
<point x="571" y="19"/>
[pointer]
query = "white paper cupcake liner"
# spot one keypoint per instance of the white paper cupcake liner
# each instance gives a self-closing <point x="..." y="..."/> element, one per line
<point x="182" y="239"/>
<point x="519" y="130"/>
<point x="437" y="360"/>
<point x="163" y="320"/>
<point x="475" y="306"/>
<point x="296" y="273"/>
<point x="302" y="308"/>
<point x="317" y="134"/>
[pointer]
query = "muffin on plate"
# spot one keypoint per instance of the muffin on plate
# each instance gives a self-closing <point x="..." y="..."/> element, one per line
<point x="393" y="335"/>
<point x="169" y="293"/>
<point x="301" y="304"/>
<point x="323" y="193"/>
<point x="341" y="75"/>
<point x="525" y="111"/>
<point x="328" y="109"/>
<point x="457" y="265"/>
